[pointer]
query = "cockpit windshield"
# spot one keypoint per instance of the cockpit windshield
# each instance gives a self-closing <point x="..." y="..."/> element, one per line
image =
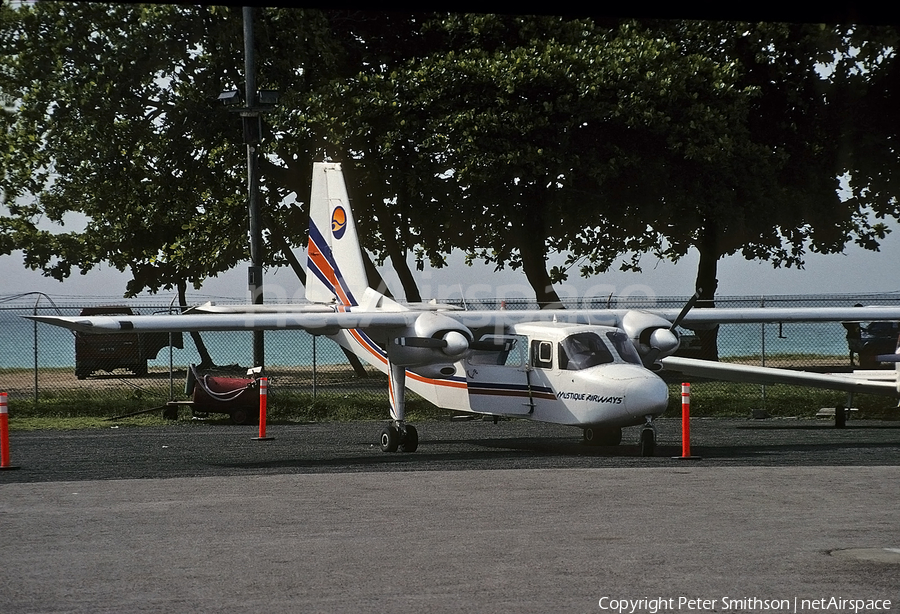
<point x="583" y="350"/>
<point x="587" y="349"/>
<point x="624" y="346"/>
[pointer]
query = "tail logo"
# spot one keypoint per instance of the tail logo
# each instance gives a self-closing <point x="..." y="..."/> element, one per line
<point x="338" y="222"/>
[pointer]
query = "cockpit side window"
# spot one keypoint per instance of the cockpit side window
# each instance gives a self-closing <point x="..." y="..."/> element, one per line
<point x="583" y="350"/>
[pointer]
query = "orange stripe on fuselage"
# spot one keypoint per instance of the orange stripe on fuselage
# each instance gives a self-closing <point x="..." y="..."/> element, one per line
<point x="367" y="345"/>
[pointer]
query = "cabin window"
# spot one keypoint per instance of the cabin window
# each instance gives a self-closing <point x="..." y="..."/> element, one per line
<point x="542" y="354"/>
<point x="506" y="351"/>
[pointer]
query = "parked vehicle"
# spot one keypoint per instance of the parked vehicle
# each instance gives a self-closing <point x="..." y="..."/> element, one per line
<point x="108" y="352"/>
<point x="869" y="340"/>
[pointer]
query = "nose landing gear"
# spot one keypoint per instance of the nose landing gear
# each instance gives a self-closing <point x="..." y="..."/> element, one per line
<point x="648" y="438"/>
<point x="600" y="436"/>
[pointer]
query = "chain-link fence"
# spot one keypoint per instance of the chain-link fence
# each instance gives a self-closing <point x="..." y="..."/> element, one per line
<point x="52" y="369"/>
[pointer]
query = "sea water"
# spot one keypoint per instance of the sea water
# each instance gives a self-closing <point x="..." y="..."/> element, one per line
<point x="56" y="346"/>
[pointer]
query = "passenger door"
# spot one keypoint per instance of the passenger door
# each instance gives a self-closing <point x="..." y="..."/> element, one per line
<point x="497" y="378"/>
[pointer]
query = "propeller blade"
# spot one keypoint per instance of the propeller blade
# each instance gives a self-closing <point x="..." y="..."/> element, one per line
<point x="421" y="342"/>
<point x="687" y="307"/>
<point x="649" y="359"/>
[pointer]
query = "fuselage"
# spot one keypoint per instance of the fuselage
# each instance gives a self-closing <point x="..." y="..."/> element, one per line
<point x="577" y="375"/>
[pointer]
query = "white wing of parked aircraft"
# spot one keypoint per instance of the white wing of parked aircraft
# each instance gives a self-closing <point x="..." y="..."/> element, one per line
<point x="590" y="369"/>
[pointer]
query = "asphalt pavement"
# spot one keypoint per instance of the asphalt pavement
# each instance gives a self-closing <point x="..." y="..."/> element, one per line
<point x="777" y="516"/>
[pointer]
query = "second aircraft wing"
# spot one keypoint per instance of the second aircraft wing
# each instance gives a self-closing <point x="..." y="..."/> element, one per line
<point x="885" y="384"/>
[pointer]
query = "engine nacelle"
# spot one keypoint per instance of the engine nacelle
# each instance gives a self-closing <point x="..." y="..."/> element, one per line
<point x="650" y="334"/>
<point x="433" y="340"/>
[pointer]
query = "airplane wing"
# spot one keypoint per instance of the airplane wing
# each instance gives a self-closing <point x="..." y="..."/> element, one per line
<point x="314" y="322"/>
<point x="327" y="319"/>
<point x="609" y="317"/>
<point x="883" y="383"/>
<point x="720" y="315"/>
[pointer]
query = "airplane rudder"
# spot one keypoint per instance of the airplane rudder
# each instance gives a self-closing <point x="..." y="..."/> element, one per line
<point x="335" y="256"/>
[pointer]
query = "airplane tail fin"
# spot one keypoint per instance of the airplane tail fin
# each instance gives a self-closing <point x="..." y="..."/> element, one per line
<point x="336" y="271"/>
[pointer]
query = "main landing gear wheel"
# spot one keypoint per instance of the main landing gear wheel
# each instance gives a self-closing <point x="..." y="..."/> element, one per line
<point x="609" y="436"/>
<point x="409" y="439"/>
<point x="648" y="442"/>
<point x="390" y="438"/>
<point x="397" y="439"/>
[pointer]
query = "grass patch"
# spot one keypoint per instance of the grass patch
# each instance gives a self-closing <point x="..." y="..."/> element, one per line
<point x="91" y="409"/>
<point x="42" y="423"/>
<point x="69" y="410"/>
<point x="734" y="400"/>
<point x="302" y="407"/>
<point x="83" y="404"/>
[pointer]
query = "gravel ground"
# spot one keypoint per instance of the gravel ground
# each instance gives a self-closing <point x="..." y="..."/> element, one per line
<point x="200" y="449"/>
<point x="778" y="516"/>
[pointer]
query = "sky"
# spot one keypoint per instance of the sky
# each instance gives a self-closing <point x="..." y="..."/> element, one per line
<point x="855" y="271"/>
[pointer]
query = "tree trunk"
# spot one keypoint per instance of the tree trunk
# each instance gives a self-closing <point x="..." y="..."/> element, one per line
<point x="531" y="241"/>
<point x="397" y="254"/>
<point x="285" y="249"/>
<point x="707" y="284"/>
<point x="534" y="265"/>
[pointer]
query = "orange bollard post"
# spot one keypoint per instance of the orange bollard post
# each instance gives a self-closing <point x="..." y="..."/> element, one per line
<point x="4" y="433"/>
<point x="686" y="424"/>
<point x="263" y="400"/>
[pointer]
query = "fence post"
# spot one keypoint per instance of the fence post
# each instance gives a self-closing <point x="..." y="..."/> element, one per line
<point x="762" y="303"/>
<point x="35" y="312"/>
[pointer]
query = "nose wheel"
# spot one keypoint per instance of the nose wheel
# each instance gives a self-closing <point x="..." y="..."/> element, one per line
<point x="399" y="438"/>
<point x="648" y="440"/>
<point x="602" y="436"/>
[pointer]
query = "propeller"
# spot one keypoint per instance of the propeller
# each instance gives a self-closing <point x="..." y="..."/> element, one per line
<point x="687" y="307"/>
<point x="421" y="342"/>
<point x="666" y="339"/>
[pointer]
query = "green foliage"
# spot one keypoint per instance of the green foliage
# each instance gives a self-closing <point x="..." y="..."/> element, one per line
<point x="731" y="400"/>
<point x="507" y="136"/>
<point x="122" y="137"/>
<point x="711" y="400"/>
<point x="290" y="406"/>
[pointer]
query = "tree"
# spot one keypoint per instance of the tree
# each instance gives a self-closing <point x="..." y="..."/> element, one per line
<point x="755" y="167"/>
<point x="136" y="144"/>
<point x="866" y="81"/>
<point x="510" y="137"/>
<point x="486" y="140"/>
<point x="111" y="132"/>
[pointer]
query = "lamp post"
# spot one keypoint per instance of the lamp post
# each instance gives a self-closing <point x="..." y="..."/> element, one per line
<point x="257" y="103"/>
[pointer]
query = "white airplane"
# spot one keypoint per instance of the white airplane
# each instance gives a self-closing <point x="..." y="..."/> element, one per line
<point x="590" y="369"/>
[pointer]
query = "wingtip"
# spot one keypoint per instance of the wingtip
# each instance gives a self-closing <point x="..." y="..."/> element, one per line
<point x="70" y="323"/>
